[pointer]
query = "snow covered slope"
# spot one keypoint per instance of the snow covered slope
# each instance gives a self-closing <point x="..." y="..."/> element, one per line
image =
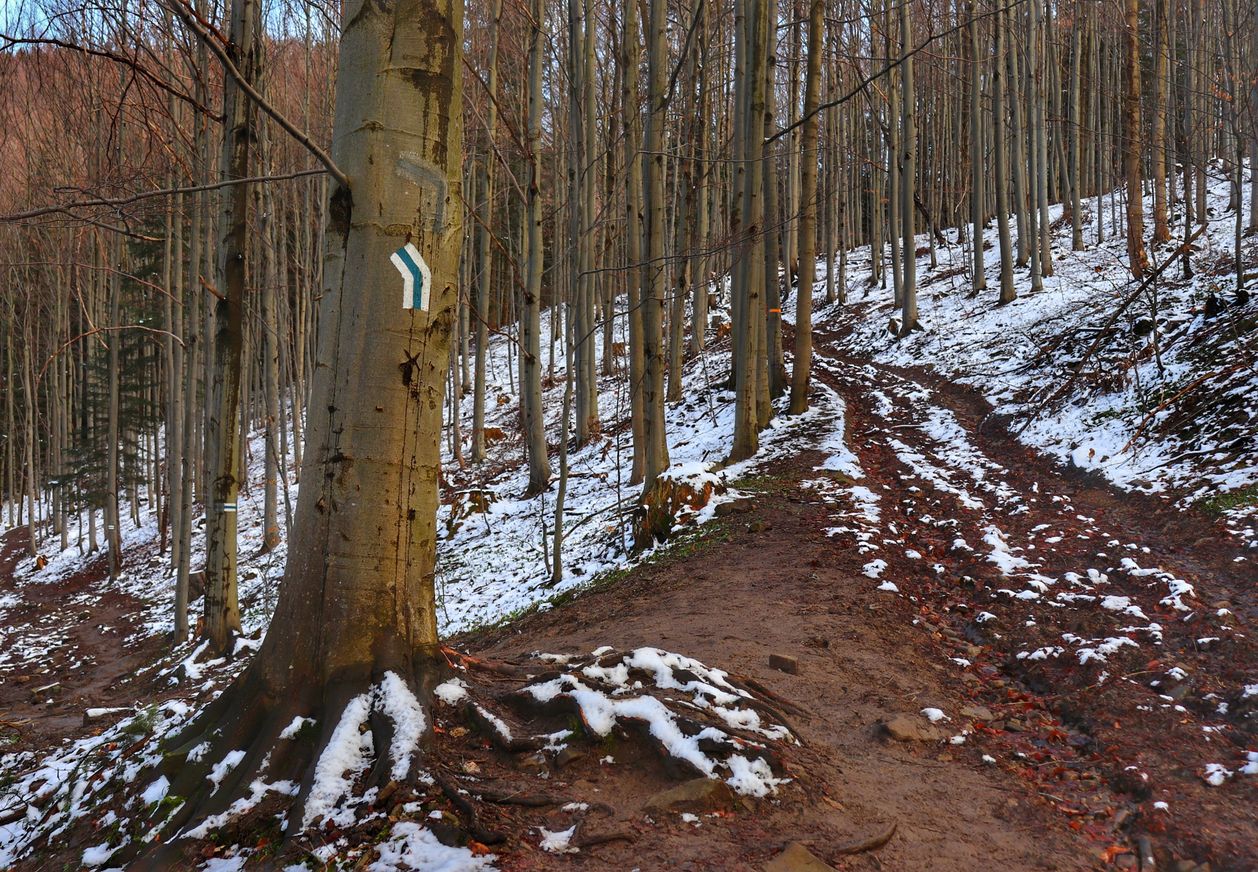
<point x="1171" y="410"/>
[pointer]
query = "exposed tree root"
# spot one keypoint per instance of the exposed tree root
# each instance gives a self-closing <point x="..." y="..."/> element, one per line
<point x="515" y="797"/>
<point x="872" y="843"/>
<point x="382" y="744"/>
<point x="468" y="811"/>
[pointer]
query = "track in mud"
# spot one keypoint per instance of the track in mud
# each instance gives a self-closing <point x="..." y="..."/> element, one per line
<point x="1015" y="584"/>
<point x="1123" y="617"/>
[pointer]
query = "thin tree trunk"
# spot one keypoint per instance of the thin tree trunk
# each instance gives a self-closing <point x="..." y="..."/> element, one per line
<point x="802" y="364"/>
<point x="485" y="271"/>
<point x="1001" y="168"/>
<point x="222" y="610"/>
<point x="908" y="175"/>
<point x="1137" y="258"/>
<point x="634" y="230"/>
<point x="530" y="325"/>
<point x="1157" y="140"/>
<point x="656" y="275"/>
<point x="977" y="164"/>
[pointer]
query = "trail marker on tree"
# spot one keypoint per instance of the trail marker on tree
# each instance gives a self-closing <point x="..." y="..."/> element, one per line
<point x="416" y="277"/>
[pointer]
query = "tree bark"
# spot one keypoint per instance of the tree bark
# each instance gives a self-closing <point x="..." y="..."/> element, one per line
<point x="530" y="323"/>
<point x="802" y="364"/>
<point x="222" y="611"/>
<point x="485" y="272"/>
<point x="1137" y="259"/>
<point x="656" y="273"/>
<point x="357" y="600"/>
<point x="1001" y="168"/>
<point x="908" y="176"/>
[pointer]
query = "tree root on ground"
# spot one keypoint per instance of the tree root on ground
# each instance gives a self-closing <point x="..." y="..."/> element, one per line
<point x="383" y="748"/>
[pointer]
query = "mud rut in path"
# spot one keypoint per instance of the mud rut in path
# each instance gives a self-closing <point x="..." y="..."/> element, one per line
<point x="1063" y="760"/>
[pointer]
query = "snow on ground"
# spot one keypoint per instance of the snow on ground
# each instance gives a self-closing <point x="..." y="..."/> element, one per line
<point x="496" y="563"/>
<point x="1192" y="449"/>
<point x="492" y="564"/>
<point x="146" y="573"/>
<point x="1196" y="445"/>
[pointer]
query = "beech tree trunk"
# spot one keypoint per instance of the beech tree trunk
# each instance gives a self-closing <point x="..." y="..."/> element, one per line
<point x="908" y="177"/>
<point x="656" y="273"/>
<point x="978" y="170"/>
<point x="357" y="599"/>
<point x="530" y="320"/>
<point x="630" y="60"/>
<point x="1001" y="168"/>
<point x="222" y="611"/>
<point x="1137" y="258"/>
<point x="1157" y="138"/>
<point x="485" y="273"/>
<point x="808" y="212"/>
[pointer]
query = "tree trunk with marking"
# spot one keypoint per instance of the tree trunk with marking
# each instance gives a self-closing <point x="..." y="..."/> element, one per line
<point x="222" y="429"/>
<point x="357" y="600"/>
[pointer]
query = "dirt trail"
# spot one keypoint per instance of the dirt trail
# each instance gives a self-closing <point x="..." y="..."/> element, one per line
<point x="743" y="595"/>
<point x="1015" y="586"/>
<point x="1061" y="767"/>
<point x="69" y="634"/>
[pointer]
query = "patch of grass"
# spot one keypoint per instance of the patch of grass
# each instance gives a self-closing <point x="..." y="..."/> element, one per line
<point x="8" y="736"/>
<point x="1218" y="504"/>
<point x="1108" y="415"/>
<point x="761" y="483"/>
<point x="143" y="723"/>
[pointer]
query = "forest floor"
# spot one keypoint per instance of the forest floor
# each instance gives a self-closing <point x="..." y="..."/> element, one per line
<point x="83" y="661"/>
<point x="961" y="573"/>
<point x="1056" y="770"/>
<point x="1025" y="651"/>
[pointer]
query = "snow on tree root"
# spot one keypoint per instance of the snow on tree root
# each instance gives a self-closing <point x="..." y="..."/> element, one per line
<point x="163" y="780"/>
<point x="699" y="717"/>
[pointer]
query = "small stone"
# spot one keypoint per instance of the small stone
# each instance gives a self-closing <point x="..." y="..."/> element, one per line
<point x="757" y="527"/>
<point x="796" y="858"/>
<point x="568" y="755"/>
<point x="1179" y="691"/>
<point x="784" y="663"/>
<point x="734" y="507"/>
<point x="978" y="713"/>
<point x="697" y="794"/>
<point x="906" y="728"/>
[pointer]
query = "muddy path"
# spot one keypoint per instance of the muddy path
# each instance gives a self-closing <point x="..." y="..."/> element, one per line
<point x="1125" y="617"/>
<point x="64" y="650"/>
<point x="1089" y="645"/>
<point x="1089" y="650"/>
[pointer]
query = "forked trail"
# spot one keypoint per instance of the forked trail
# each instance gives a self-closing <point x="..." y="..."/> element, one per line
<point x="1087" y="647"/>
